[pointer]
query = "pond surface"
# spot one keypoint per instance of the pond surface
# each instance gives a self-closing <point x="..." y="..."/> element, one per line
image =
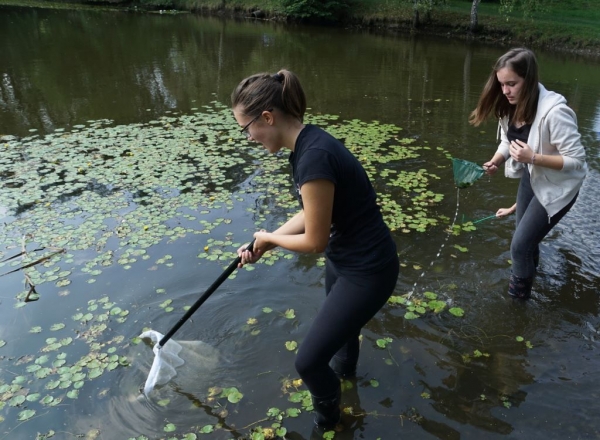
<point x="126" y="180"/>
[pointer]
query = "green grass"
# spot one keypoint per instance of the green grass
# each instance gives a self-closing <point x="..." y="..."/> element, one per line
<point x="573" y="23"/>
<point x="565" y="24"/>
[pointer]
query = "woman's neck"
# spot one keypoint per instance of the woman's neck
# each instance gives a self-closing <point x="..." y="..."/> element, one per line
<point x="291" y="133"/>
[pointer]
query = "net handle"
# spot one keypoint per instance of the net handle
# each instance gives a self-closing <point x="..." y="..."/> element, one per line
<point x="204" y="297"/>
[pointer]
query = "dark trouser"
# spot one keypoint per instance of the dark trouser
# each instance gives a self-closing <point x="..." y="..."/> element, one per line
<point x="352" y="300"/>
<point x="532" y="225"/>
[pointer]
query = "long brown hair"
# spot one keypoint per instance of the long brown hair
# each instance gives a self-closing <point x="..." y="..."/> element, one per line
<point x="265" y="91"/>
<point x="521" y="61"/>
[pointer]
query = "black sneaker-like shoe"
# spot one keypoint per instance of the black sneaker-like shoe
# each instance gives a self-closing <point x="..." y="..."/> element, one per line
<point x="520" y="287"/>
<point x="327" y="409"/>
<point x="342" y="368"/>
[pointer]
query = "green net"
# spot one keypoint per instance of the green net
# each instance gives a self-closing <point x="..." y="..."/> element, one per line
<point x="465" y="172"/>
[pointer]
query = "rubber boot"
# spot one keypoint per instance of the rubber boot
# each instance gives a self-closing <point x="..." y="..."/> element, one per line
<point x="327" y="410"/>
<point x="343" y="368"/>
<point x="520" y="287"/>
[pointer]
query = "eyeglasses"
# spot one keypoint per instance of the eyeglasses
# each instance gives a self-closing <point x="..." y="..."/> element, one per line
<point x="245" y="131"/>
<point x="247" y="126"/>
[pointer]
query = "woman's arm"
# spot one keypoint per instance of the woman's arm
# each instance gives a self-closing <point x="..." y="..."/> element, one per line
<point x="293" y="226"/>
<point x="521" y="152"/>
<point x="503" y="212"/>
<point x="565" y="136"/>
<point x="317" y="198"/>
<point x="492" y="165"/>
<point x="306" y="232"/>
<point x="564" y="140"/>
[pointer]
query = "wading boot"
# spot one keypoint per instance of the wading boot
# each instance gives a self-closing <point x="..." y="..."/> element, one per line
<point x="327" y="410"/>
<point x="520" y="287"/>
<point x="343" y="368"/>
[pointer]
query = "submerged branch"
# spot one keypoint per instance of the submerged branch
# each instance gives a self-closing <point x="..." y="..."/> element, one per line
<point x="33" y="263"/>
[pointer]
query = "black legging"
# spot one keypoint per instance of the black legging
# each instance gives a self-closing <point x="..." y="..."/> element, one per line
<point x="352" y="300"/>
<point x="532" y="225"/>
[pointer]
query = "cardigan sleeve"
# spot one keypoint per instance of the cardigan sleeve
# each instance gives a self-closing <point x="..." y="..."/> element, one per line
<point x="503" y="147"/>
<point x="565" y="137"/>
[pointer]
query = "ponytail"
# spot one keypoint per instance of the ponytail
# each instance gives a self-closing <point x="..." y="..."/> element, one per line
<point x="264" y="91"/>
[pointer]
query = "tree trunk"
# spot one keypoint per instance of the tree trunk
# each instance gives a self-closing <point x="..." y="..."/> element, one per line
<point x="415" y="23"/>
<point x="474" y="23"/>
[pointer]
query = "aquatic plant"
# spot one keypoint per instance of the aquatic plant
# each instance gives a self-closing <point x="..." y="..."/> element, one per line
<point x="77" y="202"/>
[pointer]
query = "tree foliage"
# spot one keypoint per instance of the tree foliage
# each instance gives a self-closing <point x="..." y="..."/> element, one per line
<point x="528" y="7"/>
<point x="316" y="9"/>
<point x="424" y="7"/>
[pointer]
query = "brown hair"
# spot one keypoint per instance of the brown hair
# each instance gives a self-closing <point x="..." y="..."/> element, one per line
<point x="521" y="61"/>
<point x="264" y="91"/>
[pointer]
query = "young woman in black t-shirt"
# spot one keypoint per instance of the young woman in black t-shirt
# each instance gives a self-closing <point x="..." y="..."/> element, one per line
<point x="339" y="216"/>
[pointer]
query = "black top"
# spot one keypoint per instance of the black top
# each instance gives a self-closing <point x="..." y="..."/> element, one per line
<point x="359" y="240"/>
<point x="521" y="133"/>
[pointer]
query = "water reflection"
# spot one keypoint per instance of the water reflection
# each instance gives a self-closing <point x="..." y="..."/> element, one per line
<point x="596" y="124"/>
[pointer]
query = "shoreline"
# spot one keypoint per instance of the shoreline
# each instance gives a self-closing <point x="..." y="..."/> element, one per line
<point x="436" y="25"/>
<point x="396" y="26"/>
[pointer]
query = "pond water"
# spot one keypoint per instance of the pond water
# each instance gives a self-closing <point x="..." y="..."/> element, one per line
<point x="126" y="180"/>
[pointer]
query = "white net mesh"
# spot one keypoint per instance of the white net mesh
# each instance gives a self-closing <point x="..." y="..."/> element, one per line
<point x="166" y="360"/>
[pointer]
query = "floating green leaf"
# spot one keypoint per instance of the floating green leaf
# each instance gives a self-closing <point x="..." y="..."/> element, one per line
<point x="47" y="400"/>
<point x="163" y="402"/>
<point x="26" y="415"/>
<point x="457" y="311"/>
<point x="383" y="342"/>
<point x="274" y="412"/>
<point x="33" y="397"/>
<point x="430" y="295"/>
<point x="296" y="397"/>
<point x="233" y="395"/>
<point x="17" y="400"/>
<point x="292" y="412"/>
<point x="207" y="429"/>
<point x="169" y="427"/>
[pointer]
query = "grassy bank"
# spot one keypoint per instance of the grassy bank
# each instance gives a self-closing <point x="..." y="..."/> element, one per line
<point x="566" y="25"/>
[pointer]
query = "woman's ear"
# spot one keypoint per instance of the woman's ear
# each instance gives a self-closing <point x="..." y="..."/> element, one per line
<point x="269" y="117"/>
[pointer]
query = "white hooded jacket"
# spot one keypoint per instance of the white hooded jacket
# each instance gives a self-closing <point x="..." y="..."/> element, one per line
<point x="553" y="132"/>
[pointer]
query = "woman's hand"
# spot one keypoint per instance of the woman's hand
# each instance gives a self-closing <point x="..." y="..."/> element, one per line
<point x="261" y="245"/>
<point x="503" y="212"/>
<point x="521" y="152"/>
<point x="490" y="168"/>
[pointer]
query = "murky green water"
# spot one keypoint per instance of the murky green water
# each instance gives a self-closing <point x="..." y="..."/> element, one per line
<point x="119" y="157"/>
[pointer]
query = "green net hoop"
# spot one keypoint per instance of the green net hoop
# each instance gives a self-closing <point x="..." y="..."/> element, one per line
<point x="465" y="172"/>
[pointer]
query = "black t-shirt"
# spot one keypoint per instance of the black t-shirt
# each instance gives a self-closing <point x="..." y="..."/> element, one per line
<point x="359" y="240"/>
<point x="521" y="133"/>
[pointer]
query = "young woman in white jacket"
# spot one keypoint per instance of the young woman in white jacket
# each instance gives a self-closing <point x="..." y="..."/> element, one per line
<point x="541" y="144"/>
